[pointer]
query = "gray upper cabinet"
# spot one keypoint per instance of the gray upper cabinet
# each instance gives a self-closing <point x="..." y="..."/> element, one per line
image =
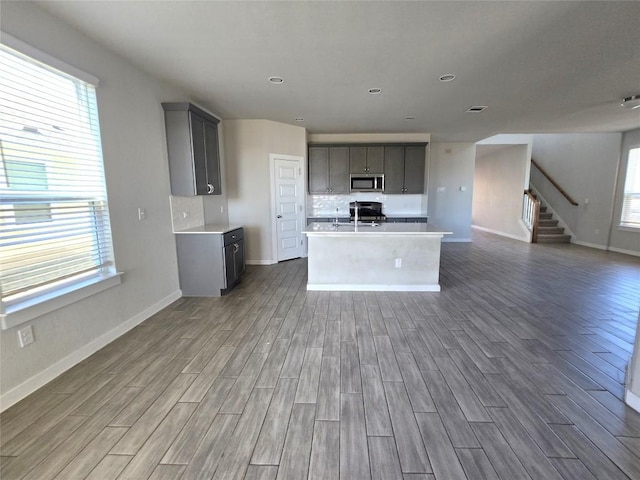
<point x="328" y="170"/>
<point x="193" y="147"/>
<point x="366" y="160"/>
<point x="404" y="168"/>
<point x="393" y="169"/>
<point x="414" y="158"/>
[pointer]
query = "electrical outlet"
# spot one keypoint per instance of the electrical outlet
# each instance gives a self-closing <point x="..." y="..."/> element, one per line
<point x="25" y="336"/>
<point x="398" y="263"/>
<point x="142" y="214"/>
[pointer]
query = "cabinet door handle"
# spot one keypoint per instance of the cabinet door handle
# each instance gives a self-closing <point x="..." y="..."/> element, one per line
<point x="236" y="247"/>
<point x="210" y="188"/>
<point x="278" y="216"/>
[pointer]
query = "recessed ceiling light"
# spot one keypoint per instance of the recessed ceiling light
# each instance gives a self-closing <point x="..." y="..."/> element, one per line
<point x="447" y="77"/>
<point x="631" y="102"/>
<point x="477" y="108"/>
<point x="375" y="91"/>
<point x="276" y="80"/>
<point x="299" y="119"/>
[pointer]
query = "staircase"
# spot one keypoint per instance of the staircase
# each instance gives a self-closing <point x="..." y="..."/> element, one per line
<point x="548" y="229"/>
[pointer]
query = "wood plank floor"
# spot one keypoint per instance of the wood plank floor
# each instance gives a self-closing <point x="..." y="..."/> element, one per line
<point x="514" y="371"/>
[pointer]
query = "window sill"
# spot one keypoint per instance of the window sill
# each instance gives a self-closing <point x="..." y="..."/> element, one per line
<point x="26" y="310"/>
<point x="628" y="228"/>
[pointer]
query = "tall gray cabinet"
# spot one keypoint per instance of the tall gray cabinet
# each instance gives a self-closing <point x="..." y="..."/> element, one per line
<point x="193" y="147"/>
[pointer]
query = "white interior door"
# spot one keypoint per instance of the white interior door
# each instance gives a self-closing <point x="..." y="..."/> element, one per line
<point x="289" y="203"/>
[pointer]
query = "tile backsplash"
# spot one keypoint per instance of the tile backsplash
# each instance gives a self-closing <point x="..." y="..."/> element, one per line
<point x="325" y="205"/>
<point x="186" y="212"/>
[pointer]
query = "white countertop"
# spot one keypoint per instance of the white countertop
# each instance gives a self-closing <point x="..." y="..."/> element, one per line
<point x="208" y="229"/>
<point x="424" y="229"/>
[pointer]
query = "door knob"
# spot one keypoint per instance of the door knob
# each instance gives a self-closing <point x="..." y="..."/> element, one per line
<point x="279" y="216"/>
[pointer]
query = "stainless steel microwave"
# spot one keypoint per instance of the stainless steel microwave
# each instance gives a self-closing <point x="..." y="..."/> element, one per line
<point x="367" y="183"/>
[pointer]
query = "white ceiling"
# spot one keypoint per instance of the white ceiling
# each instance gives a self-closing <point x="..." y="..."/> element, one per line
<point x="541" y="66"/>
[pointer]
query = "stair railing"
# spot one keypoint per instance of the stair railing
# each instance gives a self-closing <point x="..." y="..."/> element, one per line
<point x="554" y="183"/>
<point x="530" y="214"/>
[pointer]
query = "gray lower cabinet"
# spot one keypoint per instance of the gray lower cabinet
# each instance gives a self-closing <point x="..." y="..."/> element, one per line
<point x="193" y="148"/>
<point x="404" y="169"/>
<point x="328" y="170"/>
<point x="233" y="257"/>
<point x="211" y="264"/>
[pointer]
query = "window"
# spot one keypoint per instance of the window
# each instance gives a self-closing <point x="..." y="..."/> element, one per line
<point x="54" y="220"/>
<point x="631" y="197"/>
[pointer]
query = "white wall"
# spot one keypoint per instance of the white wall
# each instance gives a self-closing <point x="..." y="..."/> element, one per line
<point x="137" y="175"/>
<point x="513" y="139"/>
<point x="248" y="144"/>
<point x="451" y="167"/>
<point x="624" y="240"/>
<point x="500" y="179"/>
<point x="585" y="166"/>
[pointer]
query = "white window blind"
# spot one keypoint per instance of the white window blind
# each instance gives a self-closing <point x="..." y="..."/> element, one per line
<point x="54" y="219"/>
<point x="631" y="198"/>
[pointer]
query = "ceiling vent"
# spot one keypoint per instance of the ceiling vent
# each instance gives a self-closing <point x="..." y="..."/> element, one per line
<point x="477" y="108"/>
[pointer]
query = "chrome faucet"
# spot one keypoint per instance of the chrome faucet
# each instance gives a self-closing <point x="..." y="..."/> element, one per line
<point x="355" y="207"/>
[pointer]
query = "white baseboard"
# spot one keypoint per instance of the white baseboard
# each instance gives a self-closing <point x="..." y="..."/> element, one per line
<point x="604" y="247"/>
<point x="502" y="234"/>
<point x="590" y="245"/>
<point x="321" y="287"/>
<point x="626" y="252"/>
<point x="455" y="240"/>
<point x="632" y="400"/>
<point x="260" y="262"/>
<point x="32" y="384"/>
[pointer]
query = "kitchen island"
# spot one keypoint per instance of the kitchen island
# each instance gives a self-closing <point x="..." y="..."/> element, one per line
<point x="379" y="257"/>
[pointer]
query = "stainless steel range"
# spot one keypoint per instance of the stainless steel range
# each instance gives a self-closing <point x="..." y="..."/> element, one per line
<point x="367" y="212"/>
